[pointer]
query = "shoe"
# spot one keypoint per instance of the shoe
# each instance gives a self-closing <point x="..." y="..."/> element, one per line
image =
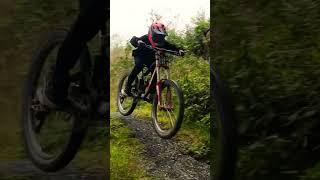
<point x="126" y="91"/>
<point x="45" y="99"/>
<point x="46" y="94"/>
<point x="150" y="98"/>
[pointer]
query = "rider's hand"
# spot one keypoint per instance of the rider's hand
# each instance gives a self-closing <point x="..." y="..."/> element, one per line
<point x="181" y="52"/>
<point x="141" y="43"/>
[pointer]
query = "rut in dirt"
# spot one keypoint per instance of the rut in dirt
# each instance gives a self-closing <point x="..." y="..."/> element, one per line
<point x="164" y="156"/>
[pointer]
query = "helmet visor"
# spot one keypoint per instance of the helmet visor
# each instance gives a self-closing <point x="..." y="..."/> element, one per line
<point x="158" y="38"/>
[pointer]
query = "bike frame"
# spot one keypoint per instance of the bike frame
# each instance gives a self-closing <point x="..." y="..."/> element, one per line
<point x="160" y="63"/>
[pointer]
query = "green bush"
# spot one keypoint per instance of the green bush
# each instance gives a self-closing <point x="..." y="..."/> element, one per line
<point x="194" y="38"/>
<point x="267" y="51"/>
<point x="192" y="74"/>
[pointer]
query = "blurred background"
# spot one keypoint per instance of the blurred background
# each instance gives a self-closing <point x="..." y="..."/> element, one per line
<point x="268" y="52"/>
<point x="22" y="23"/>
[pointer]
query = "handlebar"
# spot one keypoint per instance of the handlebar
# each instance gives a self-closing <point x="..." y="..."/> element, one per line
<point x="161" y="49"/>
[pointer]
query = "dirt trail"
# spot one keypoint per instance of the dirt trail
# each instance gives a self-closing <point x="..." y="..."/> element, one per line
<point x="165" y="157"/>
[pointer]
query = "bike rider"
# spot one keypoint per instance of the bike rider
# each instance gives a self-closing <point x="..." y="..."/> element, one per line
<point x="145" y="56"/>
<point x="91" y="19"/>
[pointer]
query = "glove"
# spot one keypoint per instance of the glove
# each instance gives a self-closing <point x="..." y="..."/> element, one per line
<point x="141" y="43"/>
<point x="181" y="52"/>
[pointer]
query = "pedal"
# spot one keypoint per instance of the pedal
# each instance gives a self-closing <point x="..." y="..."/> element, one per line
<point x="124" y="95"/>
<point x="148" y="99"/>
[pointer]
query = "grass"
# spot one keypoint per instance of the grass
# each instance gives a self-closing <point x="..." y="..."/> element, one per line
<point x="196" y="139"/>
<point x="93" y="153"/>
<point x="9" y="134"/>
<point x="10" y="138"/>
<point x="126" y="159"/>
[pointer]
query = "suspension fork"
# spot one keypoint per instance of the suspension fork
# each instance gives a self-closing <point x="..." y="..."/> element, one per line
<point x="168" y="96"/>
<point x="159" y="82"/>
<point x="158" y="85"/>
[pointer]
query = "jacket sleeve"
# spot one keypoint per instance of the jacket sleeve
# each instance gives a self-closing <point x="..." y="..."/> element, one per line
<point x="134" y="41"/>
<point x="171" y="46"/>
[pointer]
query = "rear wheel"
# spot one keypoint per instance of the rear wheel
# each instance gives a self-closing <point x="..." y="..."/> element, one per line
<point x="126" y="104"/>
<point x="168" y="115"/>
<point x="51" y="138"/>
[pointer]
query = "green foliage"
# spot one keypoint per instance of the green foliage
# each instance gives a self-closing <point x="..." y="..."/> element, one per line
<point x="192" y="73"/>
<point x="312" y="173"/>
<point x="194" y="38"/>
<point x="268" y="52"/>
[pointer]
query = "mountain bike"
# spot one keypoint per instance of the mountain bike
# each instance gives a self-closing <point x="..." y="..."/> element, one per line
<point x="157" y="88"/>
<point x="52" y="137"/>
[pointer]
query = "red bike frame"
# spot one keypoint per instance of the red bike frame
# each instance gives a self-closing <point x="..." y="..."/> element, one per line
<point x="161" y="62"/>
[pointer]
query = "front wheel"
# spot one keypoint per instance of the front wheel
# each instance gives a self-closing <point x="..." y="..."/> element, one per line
<point x="168" y="109"/>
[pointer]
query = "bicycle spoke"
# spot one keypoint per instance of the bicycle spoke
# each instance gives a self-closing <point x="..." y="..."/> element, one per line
<point x="167" y="115"/>
<point x="170" y="118"/>
<point x="55" y="131"/>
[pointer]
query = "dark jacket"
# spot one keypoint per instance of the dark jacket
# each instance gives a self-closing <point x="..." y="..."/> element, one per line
<point x="146" y="53"/>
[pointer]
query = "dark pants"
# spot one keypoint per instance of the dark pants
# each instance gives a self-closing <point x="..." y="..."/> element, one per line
<point x="140" y="62"/>
<point x="92" y="17"/>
